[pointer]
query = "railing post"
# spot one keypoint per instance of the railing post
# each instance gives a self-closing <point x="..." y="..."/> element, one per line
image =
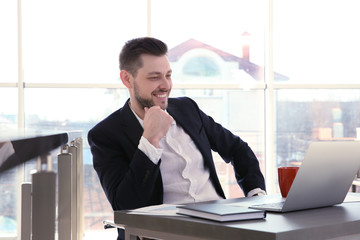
<point x="78" y="143"/>
<point x="26" y="211"/>
<point x="64" y="195"/>
<point x="43" y="201"/>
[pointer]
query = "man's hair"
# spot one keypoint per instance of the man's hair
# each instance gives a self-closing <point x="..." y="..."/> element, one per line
<point x="130" y="55"/>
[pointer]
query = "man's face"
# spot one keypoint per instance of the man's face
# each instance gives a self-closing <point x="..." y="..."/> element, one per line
<point x="152" y="84"/>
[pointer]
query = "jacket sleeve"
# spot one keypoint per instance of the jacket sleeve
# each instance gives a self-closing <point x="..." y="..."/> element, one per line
<point x="129" y="178"/>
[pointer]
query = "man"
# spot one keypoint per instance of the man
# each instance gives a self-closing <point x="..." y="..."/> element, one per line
<point x="157" y="149"/>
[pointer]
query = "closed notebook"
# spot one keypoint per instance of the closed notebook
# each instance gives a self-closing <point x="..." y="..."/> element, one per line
<point x="220" y="212"/>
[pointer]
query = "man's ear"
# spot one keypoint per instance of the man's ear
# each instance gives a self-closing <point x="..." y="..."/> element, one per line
<point x="125" y="78"/>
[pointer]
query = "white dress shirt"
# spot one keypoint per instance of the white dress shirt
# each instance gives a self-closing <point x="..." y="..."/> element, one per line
<point x="184" y="177"/>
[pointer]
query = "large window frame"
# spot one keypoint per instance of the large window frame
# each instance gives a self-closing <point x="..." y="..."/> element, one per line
<point x="269" y="87"/>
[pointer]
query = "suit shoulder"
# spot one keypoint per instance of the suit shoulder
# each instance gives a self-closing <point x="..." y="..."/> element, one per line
<point x="182" y="100"/>
<point x="107" y="123"/>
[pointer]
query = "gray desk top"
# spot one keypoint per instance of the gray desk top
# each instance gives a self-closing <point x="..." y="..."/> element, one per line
<point x="322" y="223"/>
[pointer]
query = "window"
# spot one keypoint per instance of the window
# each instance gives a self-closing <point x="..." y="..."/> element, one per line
<point x="78" y="109"/>
<point x="305" y="115"/>
<point x="78" y="41"/>
<point x="8" y="42"/>
<point x="8" y="110"/>
<point x="315" y="41"/>
<point x="277" y="84"/>
<point x="201" y="67"/>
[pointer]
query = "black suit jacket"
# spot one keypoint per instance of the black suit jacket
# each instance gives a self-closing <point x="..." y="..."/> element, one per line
<point x="131" y="180"/>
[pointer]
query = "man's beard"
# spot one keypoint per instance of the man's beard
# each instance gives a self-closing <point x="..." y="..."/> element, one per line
<point x="143" y="102"/>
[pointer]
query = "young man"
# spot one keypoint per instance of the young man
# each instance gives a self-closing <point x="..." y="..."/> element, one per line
<point x="157" y="149"/>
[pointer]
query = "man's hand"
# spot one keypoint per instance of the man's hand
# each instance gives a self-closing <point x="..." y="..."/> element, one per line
<point x="156" y="124"/>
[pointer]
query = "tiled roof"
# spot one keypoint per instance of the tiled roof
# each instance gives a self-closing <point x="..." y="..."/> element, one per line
<point x="254" y="70"/>
<point x="176" y="52"/>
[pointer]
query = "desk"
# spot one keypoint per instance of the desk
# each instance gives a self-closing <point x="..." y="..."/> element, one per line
<point x="337" y="222"/>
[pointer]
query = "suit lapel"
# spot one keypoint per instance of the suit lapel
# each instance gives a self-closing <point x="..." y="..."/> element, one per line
<point x="192" y="128"/>
<point x="132" y="128"/>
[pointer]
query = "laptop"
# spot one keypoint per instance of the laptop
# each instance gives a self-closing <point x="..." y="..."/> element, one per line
<point x="324" y="178"/>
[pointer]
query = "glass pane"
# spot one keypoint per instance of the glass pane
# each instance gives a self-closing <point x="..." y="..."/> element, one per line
<point x="8" y="108"/>
<point x="78" y="41"/>
<point x="60" y="106"/>
<point x="307" y="115"/>
<point x="8" y="206"/>
<point x="316" y="41"/>
<point x="78" y="109"/>
<point x="8" y="179"/>
<point x="8" y="41"/>
<point x="242" y="113"/>
<point x="218" y="41"/>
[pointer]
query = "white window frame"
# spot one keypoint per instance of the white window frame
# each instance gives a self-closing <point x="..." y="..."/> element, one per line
<point x="269" y="87"/>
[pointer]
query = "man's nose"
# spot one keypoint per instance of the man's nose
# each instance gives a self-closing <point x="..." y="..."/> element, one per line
<point x="165" y="83"/>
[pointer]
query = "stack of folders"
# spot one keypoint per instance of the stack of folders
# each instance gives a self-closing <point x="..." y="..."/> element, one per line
<point x="220" y="212"/>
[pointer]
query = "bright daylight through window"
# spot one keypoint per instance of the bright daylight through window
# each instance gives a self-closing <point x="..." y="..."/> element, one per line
<point x="278" y="73"/>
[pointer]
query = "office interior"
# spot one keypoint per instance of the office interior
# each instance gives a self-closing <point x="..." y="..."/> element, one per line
<point x="278" y="73"/>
